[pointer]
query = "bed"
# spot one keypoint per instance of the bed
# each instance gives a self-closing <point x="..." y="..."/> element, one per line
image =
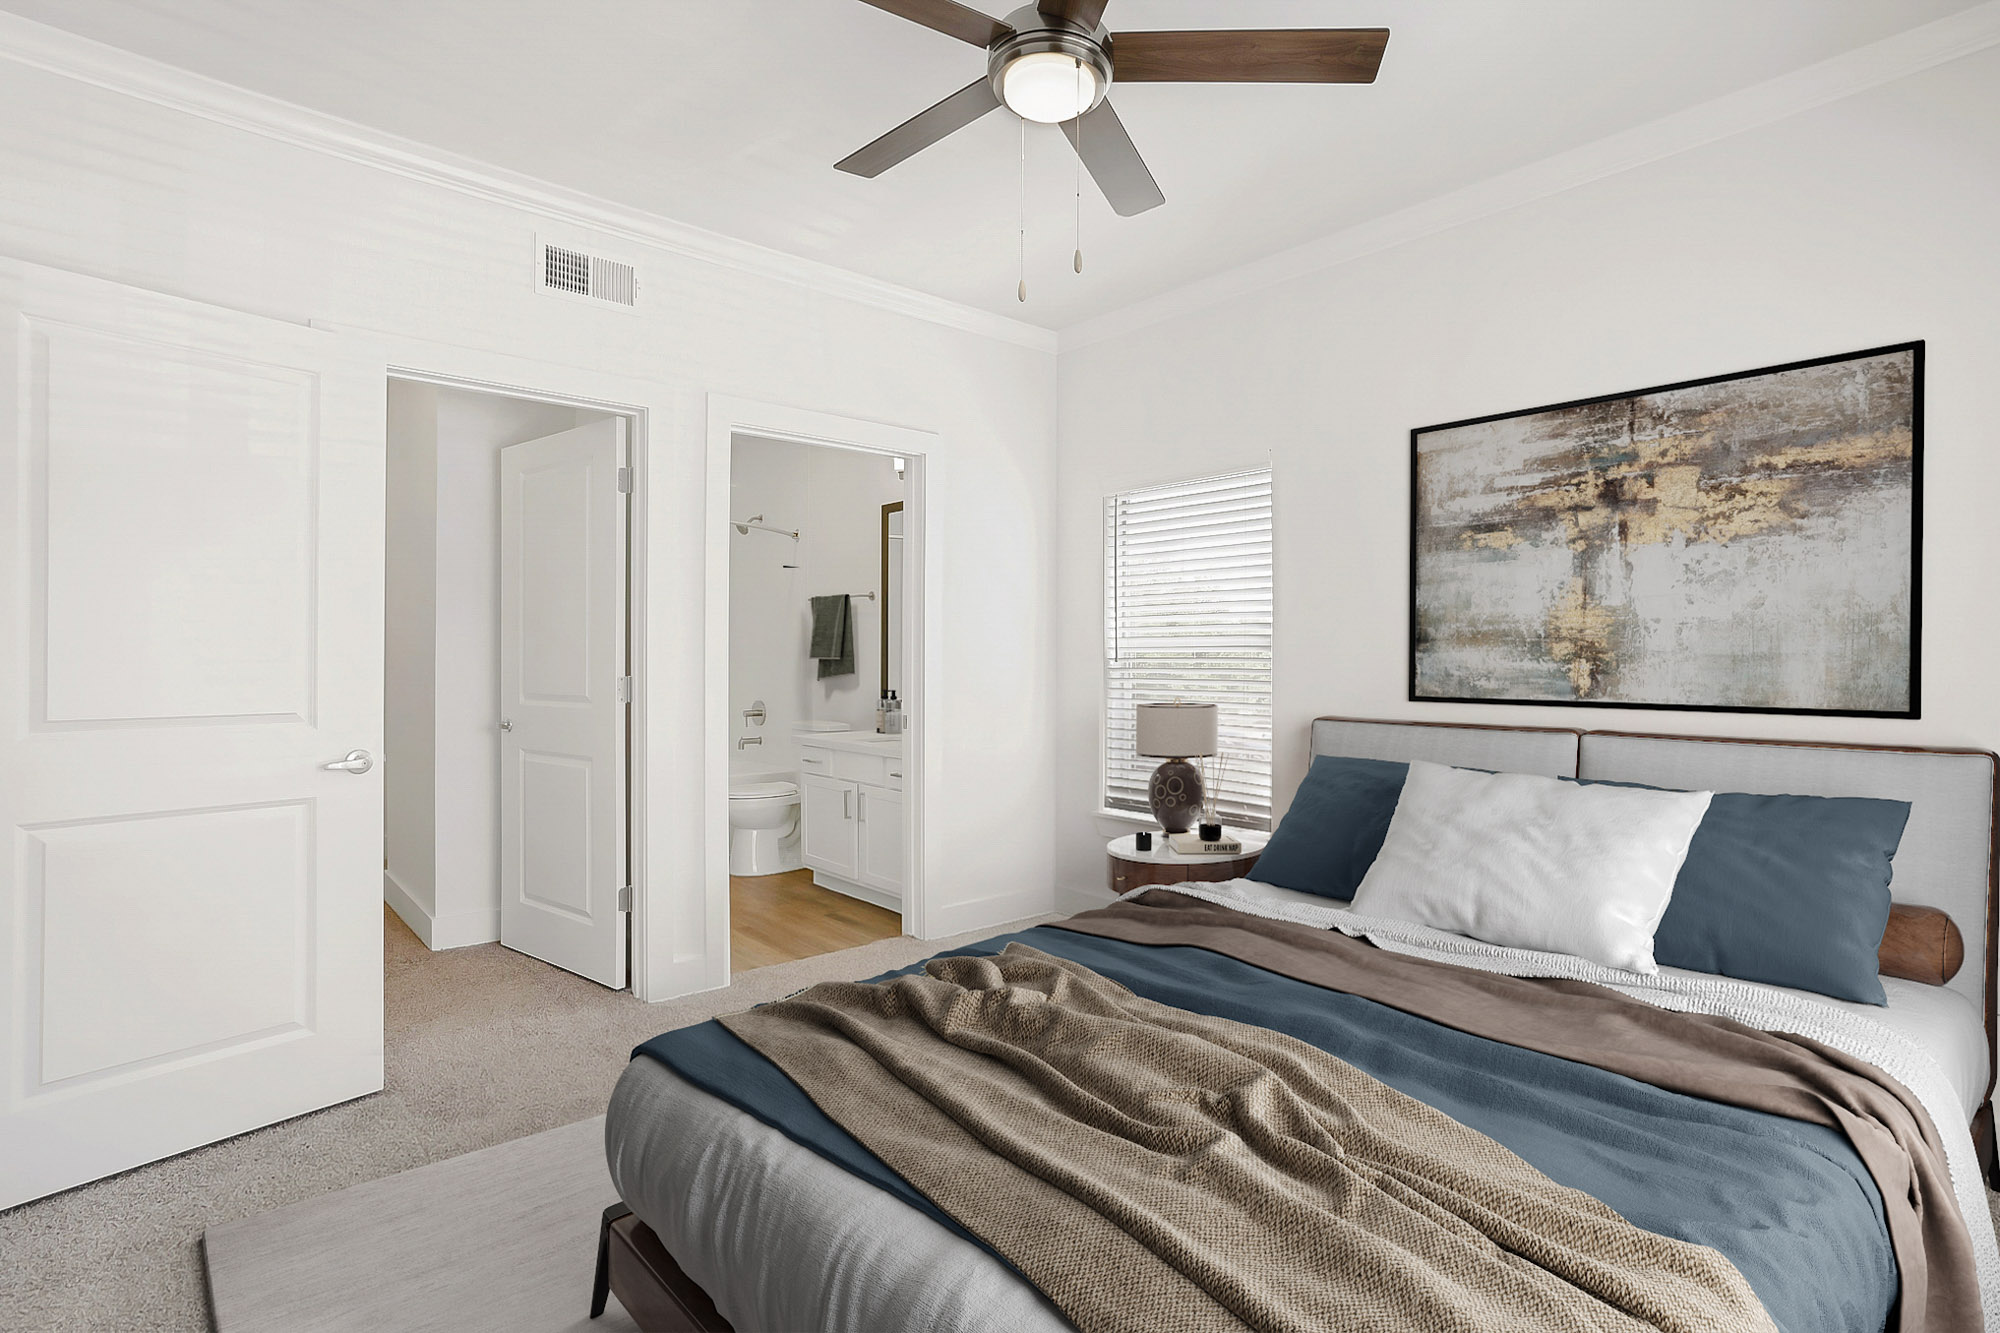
<point x="750" y="1207"/>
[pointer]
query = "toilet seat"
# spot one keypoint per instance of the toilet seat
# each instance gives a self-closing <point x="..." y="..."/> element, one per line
<point x="758" y="791"/>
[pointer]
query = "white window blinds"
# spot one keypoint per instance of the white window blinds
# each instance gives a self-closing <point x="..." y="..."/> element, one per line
<point x="1187" y="615"/>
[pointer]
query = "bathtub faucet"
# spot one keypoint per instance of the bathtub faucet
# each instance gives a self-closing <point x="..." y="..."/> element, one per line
<point x="743" y="742"/>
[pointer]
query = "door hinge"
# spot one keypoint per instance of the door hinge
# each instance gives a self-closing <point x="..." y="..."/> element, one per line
<point x="624" y="689"/>
<point x="624" y="481"/>
<point x="624" y="897"/>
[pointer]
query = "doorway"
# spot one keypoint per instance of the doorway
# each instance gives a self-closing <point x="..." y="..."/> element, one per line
<point x="819" y="721"/>
<point x="507" y="678"/>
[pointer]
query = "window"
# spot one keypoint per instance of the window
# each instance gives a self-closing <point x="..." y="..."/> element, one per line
<point x="1187" y="615"/>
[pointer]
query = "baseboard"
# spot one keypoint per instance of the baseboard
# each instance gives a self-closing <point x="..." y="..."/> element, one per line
<point x="405" y="906"/>
<point x="835" y="884"/>
<point x="448" y="930"/>
<point x="1070" y="901"/>
<point x="456" y="930"/>
<point x="980" y="913"/>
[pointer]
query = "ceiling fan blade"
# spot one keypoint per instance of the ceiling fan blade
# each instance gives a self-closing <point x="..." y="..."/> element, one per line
<point x="1277" y="55"/>
<point x="1107" y="152"/>
<point x="1084" y="13"/>
<point x="922" y="130"/>
<point x="948" y="17"/>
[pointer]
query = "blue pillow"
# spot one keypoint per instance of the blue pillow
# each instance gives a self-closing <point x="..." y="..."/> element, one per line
<point x="1790" y="890"/>
<point x="1330" y="836"/>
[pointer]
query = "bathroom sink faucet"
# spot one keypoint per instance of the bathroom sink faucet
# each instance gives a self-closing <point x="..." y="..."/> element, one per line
<point x="743" y="742"/>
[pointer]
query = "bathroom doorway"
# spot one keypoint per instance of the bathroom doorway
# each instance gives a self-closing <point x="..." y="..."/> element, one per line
<point x="820" y="838"/>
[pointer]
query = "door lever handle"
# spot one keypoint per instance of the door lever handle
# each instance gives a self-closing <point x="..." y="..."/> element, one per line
<point x="357" y="761"/>
<point x="506" y="724"/>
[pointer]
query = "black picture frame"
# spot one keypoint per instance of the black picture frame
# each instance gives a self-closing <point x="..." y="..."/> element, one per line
<point x="1914" y="348"/>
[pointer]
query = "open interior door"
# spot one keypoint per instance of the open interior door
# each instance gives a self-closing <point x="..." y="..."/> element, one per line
<point x="564" y="696"/>
<point x="190" y="706"/>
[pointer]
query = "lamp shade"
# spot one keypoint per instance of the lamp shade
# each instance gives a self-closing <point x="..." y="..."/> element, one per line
<point x="1176" y="731"/>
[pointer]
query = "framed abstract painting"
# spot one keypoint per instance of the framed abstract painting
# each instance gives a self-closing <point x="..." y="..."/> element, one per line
<point x="1744" y="543"/>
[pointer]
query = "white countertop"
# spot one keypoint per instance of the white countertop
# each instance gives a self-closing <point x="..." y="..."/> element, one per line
<point x="854" y="742"/>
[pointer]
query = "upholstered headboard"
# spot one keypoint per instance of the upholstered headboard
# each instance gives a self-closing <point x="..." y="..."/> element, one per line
<point x="1549" y="751"/>
<point x="1947" y="857"/>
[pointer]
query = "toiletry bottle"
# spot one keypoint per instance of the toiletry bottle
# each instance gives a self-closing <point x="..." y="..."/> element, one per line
<point x="882" y="712"/>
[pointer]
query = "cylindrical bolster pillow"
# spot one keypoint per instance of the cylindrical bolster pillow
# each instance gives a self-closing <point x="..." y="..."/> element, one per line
<point x="1921" y="944"/>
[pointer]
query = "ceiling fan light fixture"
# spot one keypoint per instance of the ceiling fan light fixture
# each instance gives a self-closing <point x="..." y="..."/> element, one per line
<point x="1049" y="87"/>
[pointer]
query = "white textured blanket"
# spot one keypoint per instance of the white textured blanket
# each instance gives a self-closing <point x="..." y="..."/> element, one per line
<point x="1766" y="1007"/>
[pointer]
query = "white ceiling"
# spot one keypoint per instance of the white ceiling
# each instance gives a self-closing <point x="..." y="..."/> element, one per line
<point x="729" y="114"/>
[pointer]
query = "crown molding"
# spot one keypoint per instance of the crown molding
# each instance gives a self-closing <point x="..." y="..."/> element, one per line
<point x="1891" y="58"/>
<point x="40" y="46"/>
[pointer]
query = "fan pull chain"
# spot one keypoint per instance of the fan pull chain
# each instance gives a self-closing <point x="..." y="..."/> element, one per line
<point x="1021" y="293"/>
<point x="1079" y="167"/>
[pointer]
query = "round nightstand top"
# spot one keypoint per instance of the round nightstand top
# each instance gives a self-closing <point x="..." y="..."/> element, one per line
<point x="1162" y="854"/>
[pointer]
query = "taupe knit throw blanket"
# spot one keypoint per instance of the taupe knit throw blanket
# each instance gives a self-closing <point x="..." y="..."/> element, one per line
<point x="1699" y="1054"/>
<point x="1149" y="1168"/>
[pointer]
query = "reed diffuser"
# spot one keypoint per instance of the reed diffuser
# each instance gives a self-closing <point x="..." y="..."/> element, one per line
<point x="1211" y="818"/>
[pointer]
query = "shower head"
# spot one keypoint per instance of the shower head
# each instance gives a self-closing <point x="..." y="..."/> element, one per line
<point x="743" y="526"/>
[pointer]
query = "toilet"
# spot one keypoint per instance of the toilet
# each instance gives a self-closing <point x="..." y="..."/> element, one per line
<point x="763" y="827"/>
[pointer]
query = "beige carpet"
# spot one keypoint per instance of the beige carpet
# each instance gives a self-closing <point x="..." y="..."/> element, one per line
<point x="483" y="1046"/>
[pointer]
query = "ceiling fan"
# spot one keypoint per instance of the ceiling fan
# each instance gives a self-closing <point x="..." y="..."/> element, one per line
<point x="1053" y="62"/>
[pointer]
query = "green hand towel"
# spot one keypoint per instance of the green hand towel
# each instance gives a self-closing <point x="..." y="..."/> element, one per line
<point x="833" y="635"/>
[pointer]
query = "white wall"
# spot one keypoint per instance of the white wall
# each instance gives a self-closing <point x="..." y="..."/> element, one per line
<point x="129" y="189"/>
<point x="833" y="499"/>
<point x="767" y="633"/>
<point x="842" y="545"/>
<point x="409" y="694"/>
<point x="1864" y="222"/>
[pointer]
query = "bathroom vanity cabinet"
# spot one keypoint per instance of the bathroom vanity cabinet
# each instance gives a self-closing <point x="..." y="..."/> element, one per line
<point x="851" y="814"/>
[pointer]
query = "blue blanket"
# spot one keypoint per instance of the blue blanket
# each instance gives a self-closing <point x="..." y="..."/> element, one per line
<point x="1789" y="1203"/>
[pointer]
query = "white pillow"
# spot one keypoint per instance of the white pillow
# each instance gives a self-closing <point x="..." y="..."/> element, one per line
<point x="1533" y="862"/>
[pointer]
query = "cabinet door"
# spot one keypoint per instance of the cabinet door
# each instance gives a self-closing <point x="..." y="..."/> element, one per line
<point x="881" y="842"/>
<point x="826" y="805"/>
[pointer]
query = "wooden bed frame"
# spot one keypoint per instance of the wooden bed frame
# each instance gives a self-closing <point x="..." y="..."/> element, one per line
<point x="662" y="1298"/>
<point x="633" y="1265"/>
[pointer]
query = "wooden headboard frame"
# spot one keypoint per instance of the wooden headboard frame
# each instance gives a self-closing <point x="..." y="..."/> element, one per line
<point x="1989" y="954"/>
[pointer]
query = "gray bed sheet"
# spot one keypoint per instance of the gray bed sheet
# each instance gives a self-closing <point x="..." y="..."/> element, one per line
<point x="781" y="1238"/>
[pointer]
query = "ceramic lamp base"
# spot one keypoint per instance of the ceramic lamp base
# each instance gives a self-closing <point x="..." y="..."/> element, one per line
<point x="1176" y="795"/>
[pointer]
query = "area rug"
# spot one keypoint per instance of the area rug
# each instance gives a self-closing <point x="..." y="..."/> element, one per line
<point x="503" y="1240"/>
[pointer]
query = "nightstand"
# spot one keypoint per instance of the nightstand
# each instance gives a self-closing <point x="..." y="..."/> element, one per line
<point x="1127" y="868"/>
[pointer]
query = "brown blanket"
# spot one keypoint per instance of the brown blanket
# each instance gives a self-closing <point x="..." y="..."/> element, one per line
<point x="1149" y="1168"/>
<point x="1704" y="1056"/>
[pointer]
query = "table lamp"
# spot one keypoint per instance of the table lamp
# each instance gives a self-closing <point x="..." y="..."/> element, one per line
<point x="1176" y="732"/>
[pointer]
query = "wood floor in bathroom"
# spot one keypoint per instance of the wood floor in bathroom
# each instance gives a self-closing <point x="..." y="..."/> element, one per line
<point x="776" y="918"/>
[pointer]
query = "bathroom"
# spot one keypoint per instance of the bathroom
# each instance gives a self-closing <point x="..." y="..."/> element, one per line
<point x="818" y="837"/>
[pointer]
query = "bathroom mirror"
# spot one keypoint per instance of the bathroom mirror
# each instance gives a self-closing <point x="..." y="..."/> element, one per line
<point x="892" y="598"/>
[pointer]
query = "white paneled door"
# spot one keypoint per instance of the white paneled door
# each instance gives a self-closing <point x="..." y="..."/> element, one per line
<point x="563" y="700"/>
<point x="191" y="589"/>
